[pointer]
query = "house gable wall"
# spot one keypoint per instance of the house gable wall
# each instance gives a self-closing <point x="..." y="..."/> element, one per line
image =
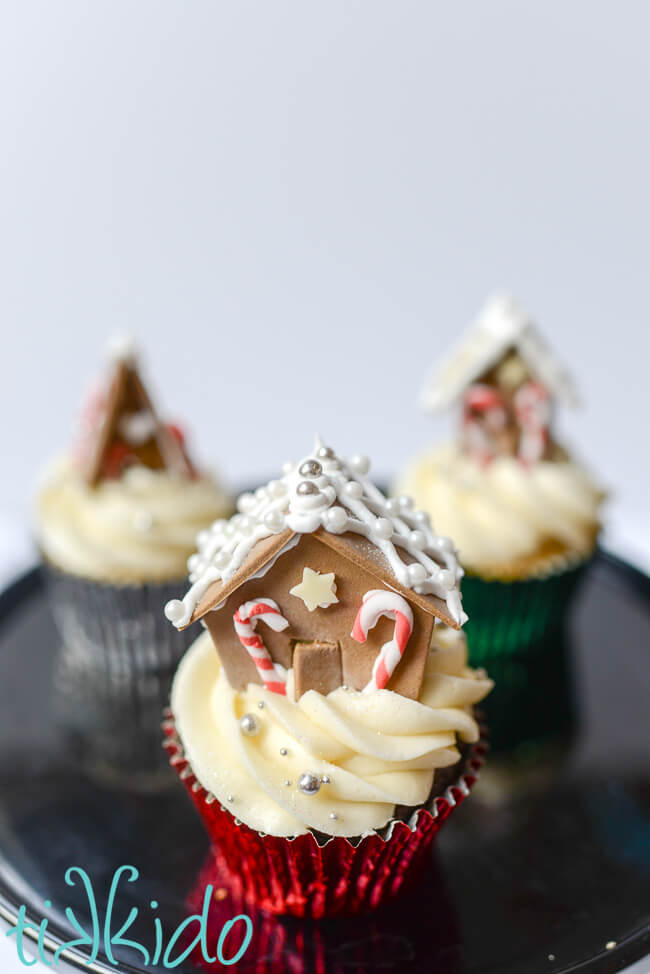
<point x="328" y="624"/>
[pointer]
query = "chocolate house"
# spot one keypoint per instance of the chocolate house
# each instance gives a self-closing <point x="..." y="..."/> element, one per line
<point x="321" y="574"/>
<point x="508" y="381"/>
<point x="121" y="427"/>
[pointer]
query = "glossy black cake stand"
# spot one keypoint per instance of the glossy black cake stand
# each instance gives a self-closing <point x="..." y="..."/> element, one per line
<point x="545" y="869"/>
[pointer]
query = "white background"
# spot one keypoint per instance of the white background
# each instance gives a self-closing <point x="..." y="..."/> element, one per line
<point x="296" y="206"/>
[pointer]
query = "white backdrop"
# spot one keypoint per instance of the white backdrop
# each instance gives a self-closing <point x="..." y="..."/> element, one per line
<point x="296" y="206"/>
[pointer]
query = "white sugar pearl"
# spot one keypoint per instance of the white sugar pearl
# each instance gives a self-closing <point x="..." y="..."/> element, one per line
<point x="202" y="538"/>
<point x="193" y="563"/>
<point x="405" y="502"/>
<point x="359" y="464"/>
<point x="392" y="505"/>
<point x="336" y="519"/>
<point x="383" y="528"/>
<point x="417" y="573"/>
<point x="218" y="526"/>
<point x="443" y="543"/>
<point x="353" y="490"/>
<point x="288" y="466"/>
<point x="446" y="579"/>
<point x="418" y="539"/>
<point x="247" y="525"/>
<point x="174" y="610"/>
<point x="422" y="517"/>
<point x="230" y="529"/>
<point x="276" y="488"/>
<point x="222" y="560"/>
<point x="245" y="502"/>
<point x="274" y="521"/>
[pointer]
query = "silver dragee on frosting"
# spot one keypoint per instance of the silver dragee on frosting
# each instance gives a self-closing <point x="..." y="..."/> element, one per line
<point x="324" y="491"/>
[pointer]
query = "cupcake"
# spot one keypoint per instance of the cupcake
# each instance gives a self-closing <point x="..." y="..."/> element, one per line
<point x="323" y="723"/>
<point x="524" y="515"/>
<point x="116" y="520"/>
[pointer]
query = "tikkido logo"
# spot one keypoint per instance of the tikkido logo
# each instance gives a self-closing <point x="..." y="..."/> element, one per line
<point x="102" y="937"/>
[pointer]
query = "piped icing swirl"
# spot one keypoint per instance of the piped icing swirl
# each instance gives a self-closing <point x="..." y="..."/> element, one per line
<point x="503" y="513"/>
<point x="138" y="528"/>
<point x="356" y="756"/>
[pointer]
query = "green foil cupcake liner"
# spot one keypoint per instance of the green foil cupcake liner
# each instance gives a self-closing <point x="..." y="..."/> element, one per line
<point x="113" y="674"/>
<point x="506" y="618"/>
<point x="516" y="631"/>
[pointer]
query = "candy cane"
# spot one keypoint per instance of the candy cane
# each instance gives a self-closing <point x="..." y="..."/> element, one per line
<point x="532" y="405"/>
<point x="377" y="603"/>
<point x="486" y="400"/>
<point x="246" y="618"/>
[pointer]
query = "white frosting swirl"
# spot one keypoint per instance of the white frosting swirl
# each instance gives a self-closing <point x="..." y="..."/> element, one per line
<point x="139" y="528"/>
<point x="378" y="750"/>
<point x="503" y="512"/>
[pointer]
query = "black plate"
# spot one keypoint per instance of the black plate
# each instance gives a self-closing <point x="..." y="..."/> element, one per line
<point x="533" y="876"/>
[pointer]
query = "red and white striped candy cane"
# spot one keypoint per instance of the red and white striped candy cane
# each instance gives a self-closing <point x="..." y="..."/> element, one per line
<point x="488" y="402"/>
<point x="532" y="405"/>
<point x="246" y="618"/>
<point x="377" y="603"/>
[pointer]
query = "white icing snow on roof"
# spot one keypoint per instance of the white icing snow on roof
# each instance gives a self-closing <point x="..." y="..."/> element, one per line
<point x="122" y="346"/>
<point x="323" y="490"/>
<point x="501" y="325"/>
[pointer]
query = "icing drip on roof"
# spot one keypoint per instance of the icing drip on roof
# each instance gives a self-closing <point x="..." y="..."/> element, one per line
<point x="325" y="491"/>
<point x="501" y="325"/>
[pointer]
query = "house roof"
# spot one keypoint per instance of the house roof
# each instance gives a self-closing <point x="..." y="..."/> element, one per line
<point x="265" y="552"/>
<point x="500" y="326"/>
<point x="127" y="394"/>
<point x="334" y="500"/>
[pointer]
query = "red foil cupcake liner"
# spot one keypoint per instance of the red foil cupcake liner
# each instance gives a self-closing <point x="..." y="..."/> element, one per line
<point x="298" y="876"/>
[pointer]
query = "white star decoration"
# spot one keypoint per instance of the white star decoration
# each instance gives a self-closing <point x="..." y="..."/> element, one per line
<point x="317" y="591"/>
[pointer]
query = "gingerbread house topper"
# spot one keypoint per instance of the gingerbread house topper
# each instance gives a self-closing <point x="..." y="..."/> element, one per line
<point x="331" y="568"/>
<point x="507" y="379"/>
<point x="121" y="427"/>
<point x="501" y="327"/>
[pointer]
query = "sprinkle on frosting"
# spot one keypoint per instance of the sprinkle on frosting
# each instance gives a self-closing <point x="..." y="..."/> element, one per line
<point x="324" y="491"/>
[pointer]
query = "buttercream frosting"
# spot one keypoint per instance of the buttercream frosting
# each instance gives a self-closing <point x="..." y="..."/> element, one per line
<point x="366" y="753"/>
<point x="138" y="528"/>
<point x="503" y="511"/>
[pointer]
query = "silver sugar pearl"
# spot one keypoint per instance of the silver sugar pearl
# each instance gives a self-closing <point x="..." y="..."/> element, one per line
<point x="260" y="704"/>
<point x="249" y="726"/>
<point x="283" y="752"/>
<point x="325" y="453"/>
<point x="306" y="487"/>
<point x="287" y="782"/>
<point x="229" y="798"/>
<point x="333" y="816"/>
<point x="325" y="779"/>
<point x="309" y="783"/>
<point x="310" y="468"/>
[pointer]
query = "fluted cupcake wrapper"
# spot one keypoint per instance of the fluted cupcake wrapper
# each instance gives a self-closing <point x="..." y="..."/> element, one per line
<point x="321" y="876"/>
<point x="113" y="674"/>
<point x="516" y="632"/>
